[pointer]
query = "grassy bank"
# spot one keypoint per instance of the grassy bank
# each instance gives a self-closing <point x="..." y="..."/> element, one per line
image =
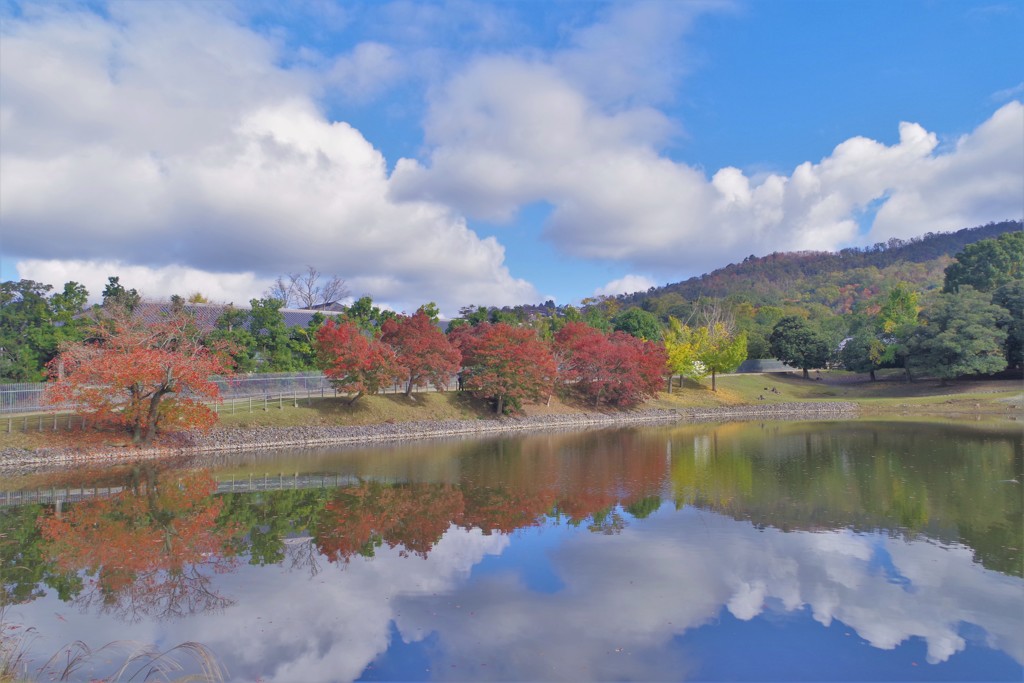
<point x="1003" y="399"/>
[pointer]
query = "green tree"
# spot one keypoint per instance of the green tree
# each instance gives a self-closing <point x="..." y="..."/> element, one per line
<point x="33" y="324"/>
<point x="272" y="349"/>
<point x="303" y="342"/>
<point x="896" y="324"/>
<point x="114" y="294"/>
<point x="366" y="316"/>
<point x="639" y="323"/>
<point x="863" y="352"/>
<point x="1011" y="298"/>
<point x="232" y="331"/>
<point x="796" y="343"/>
<point x="987" y="264"/>
<point x="598" y="312"/>
<point x="962" y="336"/>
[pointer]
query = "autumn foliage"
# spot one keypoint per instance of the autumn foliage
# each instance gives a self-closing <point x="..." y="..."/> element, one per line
<point x="422" y="349"/>
<point x="413" y="516"/>
<point x="142" y="378"/>
<point x="355" y="362"/>
<point x="149" y="550"/>
<point x="509" y="365"/>
<point x="617" y="369"/>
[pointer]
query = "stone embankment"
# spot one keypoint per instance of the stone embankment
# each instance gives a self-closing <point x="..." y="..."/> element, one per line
<point x="269" y="438"/>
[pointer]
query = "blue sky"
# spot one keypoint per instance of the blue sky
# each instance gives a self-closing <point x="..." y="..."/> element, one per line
<point x="492" y="153"/>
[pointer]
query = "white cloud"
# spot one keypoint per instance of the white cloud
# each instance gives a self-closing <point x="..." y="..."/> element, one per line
<point x="1008" y="93"/>
<point x="625" y="285"/>
<point x="186" y="147"/>
<point x="509" y="131"/>
<point x="369" y="69"/>
<point x="151" y="283"/>
<point x="633" y="53"/>
<point x="683" y="568"/>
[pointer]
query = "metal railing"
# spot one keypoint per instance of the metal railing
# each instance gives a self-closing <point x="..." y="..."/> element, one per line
<point x="27" y="397"/>
<point x="23" y="397"/>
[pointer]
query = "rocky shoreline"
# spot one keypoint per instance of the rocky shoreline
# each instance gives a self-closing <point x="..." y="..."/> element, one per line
<point x="272" y="438"/>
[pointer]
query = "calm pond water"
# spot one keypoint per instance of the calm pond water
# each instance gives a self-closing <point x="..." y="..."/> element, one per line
<point x="759" y="551"/>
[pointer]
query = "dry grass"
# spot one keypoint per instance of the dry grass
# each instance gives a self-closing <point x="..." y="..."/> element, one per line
<point x="138" y="661"/>
<point x="367" y="410"/>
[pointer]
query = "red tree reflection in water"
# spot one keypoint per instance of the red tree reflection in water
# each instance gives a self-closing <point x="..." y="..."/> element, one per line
<point x="150" y="549"/>
<point x="506" y="508"/>
<point x="518" y="487"/>
<point x="361" y="518"/>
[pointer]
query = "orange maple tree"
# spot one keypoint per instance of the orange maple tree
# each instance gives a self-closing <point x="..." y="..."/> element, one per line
<point x="149" y="550"/>
<point x="142" y="377"/>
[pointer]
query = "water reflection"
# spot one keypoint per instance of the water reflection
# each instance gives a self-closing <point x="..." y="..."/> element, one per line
<point x="619" y="554"/>
<point x="148" y="551"/>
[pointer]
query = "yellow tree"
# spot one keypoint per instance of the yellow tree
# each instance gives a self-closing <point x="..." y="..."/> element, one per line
<point x="685" y="345"/>
<point x="724" y="350"/>
<point x="696" y="352"/>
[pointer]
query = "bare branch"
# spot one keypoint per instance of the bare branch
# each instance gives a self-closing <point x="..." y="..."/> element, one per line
<point x="307" y="290"/>
<point x="280" y="290"/>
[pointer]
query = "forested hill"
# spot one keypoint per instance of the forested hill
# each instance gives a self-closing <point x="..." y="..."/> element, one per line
<point x="832" y="279"/>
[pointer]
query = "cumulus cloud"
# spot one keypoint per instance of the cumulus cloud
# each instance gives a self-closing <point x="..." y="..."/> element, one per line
<point x="509" y="131"/>
<point x="685" y="568"/>
<point x="625" y="285"/>
<point x="154" y="283"/>
<point x="166" y="136"/>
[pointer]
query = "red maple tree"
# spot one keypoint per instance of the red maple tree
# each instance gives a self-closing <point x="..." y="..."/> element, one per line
<point x="617" y="369"/>
<point x="506" y="364"/>
<point x="142" y="377"/>
<point x="422" y="349"/>
<point x="356" y="363"/>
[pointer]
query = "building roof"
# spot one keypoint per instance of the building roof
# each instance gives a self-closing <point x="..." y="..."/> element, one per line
<point x="206" y="315"/>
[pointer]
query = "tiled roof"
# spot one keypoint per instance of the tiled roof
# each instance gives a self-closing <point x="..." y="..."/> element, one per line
<point x="206" y="315"/>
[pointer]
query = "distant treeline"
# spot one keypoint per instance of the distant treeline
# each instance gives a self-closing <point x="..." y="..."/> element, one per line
<point x="781" y="273"/>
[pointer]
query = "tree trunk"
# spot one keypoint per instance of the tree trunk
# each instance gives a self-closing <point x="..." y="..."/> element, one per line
<point x="499" y="406"/>
<point x="872" y="373"/>
<point x="807" y="375"/>
<point x="133" y="399"/>
<point x="408" y="386"/>
<point x="714" y="387"/>
<point x="153" y="415"/>
<point x="356" y="397"/>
